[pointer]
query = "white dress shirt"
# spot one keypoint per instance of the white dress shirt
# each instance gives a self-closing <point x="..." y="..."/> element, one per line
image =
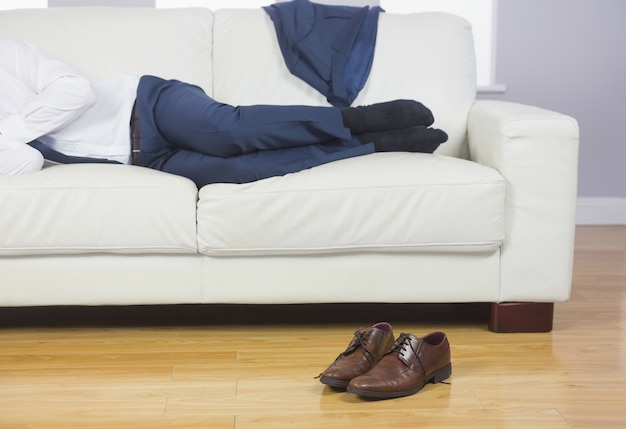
<point x="42" y="98"/>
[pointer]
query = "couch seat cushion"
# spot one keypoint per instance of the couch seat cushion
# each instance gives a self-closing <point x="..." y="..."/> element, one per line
<point x="97" y="208"/>
<point x="379" y="202"/>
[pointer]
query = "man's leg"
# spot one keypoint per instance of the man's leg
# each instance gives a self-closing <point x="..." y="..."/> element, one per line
<point x="185" y="132"/>
<point x="206" y="169"/>
<point x="189" y="119"/>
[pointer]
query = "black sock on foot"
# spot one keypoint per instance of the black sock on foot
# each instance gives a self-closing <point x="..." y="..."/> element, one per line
<point x="391" y="115"/>
<point x="416" y="139"/>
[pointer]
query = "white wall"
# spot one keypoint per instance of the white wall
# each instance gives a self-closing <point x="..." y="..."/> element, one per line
<point x="569" y="56"/>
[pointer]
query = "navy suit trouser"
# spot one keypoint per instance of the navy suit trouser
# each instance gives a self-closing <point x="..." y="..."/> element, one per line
<point x="186" y="132"/>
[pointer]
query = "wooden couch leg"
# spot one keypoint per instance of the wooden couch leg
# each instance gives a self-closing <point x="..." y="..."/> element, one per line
<point x="508" y="317"/>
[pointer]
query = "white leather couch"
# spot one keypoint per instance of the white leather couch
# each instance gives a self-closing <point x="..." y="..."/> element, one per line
<point x="488" y="218"/>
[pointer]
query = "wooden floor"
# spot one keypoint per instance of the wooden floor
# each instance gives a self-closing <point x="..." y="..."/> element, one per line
<point x="248" y="367"/>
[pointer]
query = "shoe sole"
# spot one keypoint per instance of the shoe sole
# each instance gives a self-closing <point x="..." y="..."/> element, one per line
<point x="434" y="378"/>
<point x="339" y="384"/>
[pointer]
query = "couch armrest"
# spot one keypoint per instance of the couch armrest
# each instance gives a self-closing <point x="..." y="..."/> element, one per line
<point x="536" y="151"/>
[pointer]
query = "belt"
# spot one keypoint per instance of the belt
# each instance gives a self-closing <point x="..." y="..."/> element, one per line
<point x="135" y="135"/>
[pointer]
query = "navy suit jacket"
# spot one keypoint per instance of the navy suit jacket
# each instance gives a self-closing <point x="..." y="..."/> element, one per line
<point x="329" y="47"/>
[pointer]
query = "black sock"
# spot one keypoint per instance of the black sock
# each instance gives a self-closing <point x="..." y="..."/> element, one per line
<point x="391" y="115"/>
<point x="416" y="139"/>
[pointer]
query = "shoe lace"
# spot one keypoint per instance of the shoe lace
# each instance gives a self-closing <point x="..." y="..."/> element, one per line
<point x="401" y="346"/>
<point x="359" y="340"/>
<point x="401" y="343"/>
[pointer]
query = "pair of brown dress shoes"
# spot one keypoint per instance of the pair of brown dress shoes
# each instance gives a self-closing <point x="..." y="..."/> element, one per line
<point x="376" y="366"/>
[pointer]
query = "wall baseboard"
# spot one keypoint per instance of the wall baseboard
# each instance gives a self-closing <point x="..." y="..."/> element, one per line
<point x="600" y="211"/>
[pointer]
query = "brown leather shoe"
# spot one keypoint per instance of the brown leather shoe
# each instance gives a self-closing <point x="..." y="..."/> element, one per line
<point x="406" y="368"/>
<point x="364" y="351"/>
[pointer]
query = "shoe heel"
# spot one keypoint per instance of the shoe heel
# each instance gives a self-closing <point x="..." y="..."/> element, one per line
<point x="441" y="374"/>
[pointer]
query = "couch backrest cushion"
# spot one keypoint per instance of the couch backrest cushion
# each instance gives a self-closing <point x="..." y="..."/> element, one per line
<point x="100" y="42"/>
<point x="426" y="56"/>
